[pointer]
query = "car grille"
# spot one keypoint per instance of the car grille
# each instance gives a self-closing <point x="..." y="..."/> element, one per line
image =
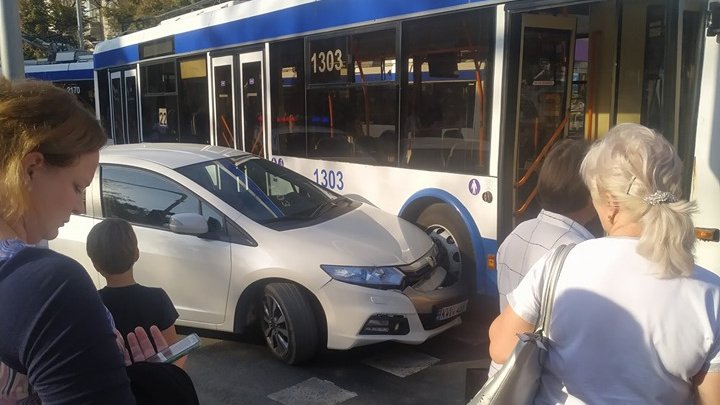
<point x="422" y="268"/>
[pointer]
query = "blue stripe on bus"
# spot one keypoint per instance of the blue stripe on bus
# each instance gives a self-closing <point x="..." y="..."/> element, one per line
<point x="485" y="282"/>
<point x="120" y="56"/>
<point x="317" y="15"/>
<point x="62" y="75"/>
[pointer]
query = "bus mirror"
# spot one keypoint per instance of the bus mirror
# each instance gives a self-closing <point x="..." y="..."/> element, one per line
<point x="713" y="28"/>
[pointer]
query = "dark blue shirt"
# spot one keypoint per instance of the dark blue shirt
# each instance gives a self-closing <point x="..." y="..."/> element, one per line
<point x="55" y="329"/>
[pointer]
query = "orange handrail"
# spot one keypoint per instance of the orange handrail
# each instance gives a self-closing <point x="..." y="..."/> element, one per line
<point x="595" y="37"/>
<point x="480" y="95"/>
<point x="527" y="202"/>
<point x="332" y="118"/>
<point x="366" y="99"/>
<point x="536" y="163"/>
<point x="227" y="128"/>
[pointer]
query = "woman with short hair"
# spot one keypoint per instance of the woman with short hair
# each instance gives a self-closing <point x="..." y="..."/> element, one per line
<point x="635" y="321"/>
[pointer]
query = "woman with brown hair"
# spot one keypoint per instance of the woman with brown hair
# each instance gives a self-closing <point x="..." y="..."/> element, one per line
<point x="53" y="327"/>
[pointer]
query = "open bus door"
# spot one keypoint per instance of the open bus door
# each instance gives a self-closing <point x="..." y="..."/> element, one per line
<point x="547" y="45"/>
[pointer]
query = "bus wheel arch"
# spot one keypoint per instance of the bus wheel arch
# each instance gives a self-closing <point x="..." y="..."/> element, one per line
<point x="449" y="223"/>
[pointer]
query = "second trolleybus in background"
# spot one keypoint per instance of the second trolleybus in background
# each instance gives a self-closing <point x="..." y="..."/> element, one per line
<point x="70" y="70"/>
<point x="439" y="111"/>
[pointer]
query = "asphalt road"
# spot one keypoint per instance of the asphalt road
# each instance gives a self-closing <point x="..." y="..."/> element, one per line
<point x="229" y="370"/>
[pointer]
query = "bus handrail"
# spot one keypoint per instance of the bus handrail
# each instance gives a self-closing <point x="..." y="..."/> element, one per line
<point x="527" y="202"/>
<point x="536" y="163"/>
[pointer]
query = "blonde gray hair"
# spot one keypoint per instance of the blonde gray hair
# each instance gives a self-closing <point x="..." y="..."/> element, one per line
<point x="641" y="172"/>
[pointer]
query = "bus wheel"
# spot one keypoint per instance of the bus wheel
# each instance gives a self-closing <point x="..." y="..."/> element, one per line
<point x="288" y="323"/>
<point x="448" y="230"/>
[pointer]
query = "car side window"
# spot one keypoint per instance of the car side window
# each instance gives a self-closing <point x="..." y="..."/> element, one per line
<point x="146" y="198"/>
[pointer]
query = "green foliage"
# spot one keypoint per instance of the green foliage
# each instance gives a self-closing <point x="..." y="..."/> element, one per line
<point x="52" y="24"/>
<point x="132" y="15"/>
<point x="35" y="22"/>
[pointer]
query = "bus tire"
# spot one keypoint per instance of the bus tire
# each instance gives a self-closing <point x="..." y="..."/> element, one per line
<point x="448" y="230"/>
<point x="288" y="323"/>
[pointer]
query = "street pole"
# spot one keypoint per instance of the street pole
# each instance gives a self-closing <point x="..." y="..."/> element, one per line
<point x="78" y="10"/>
<point x="11" y="55"/>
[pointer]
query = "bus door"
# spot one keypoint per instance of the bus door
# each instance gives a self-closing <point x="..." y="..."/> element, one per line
<point x="124" y="107"/>
<point x="223" y="117"/>
<point x="547" y="44"/>
<point x="252" y="103"/>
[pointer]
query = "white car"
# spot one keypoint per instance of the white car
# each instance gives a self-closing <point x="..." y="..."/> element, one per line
<point x="238" y="241"/>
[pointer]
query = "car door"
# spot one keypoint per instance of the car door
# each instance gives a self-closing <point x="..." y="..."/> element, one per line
<point x="193" y="270"/>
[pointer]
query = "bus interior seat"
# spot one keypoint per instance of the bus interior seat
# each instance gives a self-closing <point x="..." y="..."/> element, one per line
<point x="335" y="146"/>
<point x="430" y="159"/>
<point x="454" y="133"/>
<point x="366" y="144"/>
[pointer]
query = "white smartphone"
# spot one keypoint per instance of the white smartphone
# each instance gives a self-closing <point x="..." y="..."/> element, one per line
<point x="176" y="350"/>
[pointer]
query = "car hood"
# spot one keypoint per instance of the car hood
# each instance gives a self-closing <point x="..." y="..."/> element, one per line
<point x="364" y="236"/>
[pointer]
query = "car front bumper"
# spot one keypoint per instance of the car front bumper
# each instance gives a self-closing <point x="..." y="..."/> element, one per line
<point x="348" y="308"/>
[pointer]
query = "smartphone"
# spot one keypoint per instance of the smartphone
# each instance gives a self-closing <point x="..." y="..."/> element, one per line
<point x="176" y="350"/>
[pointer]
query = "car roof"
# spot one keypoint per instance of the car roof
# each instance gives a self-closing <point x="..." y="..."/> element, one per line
<point x="172" y="155"/>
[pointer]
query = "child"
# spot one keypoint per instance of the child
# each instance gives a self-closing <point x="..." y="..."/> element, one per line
<point x="113" y="249"/>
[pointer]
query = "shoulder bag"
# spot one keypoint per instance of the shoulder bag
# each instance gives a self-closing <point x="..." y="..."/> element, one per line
<point x="517" y="382"/>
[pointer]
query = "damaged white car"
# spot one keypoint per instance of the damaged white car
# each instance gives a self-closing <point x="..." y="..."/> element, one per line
<point x="239" y="242"/>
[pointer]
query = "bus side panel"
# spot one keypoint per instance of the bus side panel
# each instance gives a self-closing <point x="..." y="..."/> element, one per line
<point x="706" y="176"/>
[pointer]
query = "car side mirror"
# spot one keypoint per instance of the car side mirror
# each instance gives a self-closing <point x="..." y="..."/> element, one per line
<point x="188" y="223"/>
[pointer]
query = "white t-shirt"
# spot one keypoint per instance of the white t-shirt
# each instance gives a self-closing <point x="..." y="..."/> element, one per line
<point x="618" y="333"/>
<point x="528" y="242"/>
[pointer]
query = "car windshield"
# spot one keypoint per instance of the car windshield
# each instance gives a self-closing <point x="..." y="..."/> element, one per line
<point x="261" y="190"/>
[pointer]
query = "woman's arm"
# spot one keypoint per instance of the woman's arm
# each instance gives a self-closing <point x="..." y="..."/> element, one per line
<point x="503" y="334"/>
<point x="707" y="388"/>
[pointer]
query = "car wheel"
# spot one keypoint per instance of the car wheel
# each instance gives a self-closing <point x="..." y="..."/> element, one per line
<point x="288" y="323"/>
<point x="448" y="231"/>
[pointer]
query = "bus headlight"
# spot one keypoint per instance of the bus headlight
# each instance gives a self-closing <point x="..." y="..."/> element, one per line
<point x="374" y="277"/>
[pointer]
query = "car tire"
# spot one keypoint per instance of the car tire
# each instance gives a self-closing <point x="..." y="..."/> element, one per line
<point x="288" y="323"/>
<point x="448" y="230"/>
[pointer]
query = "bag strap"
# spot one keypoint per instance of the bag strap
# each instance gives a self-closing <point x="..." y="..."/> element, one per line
<point x="553" y="266"/>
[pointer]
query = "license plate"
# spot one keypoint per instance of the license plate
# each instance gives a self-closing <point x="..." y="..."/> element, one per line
<point x="451" y="311"/>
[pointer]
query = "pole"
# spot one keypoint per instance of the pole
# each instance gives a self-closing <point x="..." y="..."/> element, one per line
<point x="78" y="10"/>
<point x="11" y="56"/>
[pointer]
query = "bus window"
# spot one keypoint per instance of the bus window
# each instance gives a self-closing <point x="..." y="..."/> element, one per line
<point x="346" y="122"/>
<point x="194" y="119"/>
<point x="445" y="114"/>
<point x="159" y="103"/>
<point x="287" y="88"/>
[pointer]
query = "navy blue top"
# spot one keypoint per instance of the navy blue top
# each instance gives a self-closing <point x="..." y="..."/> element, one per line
<point x="137" y="305"/>
<point x="55" y="329"/>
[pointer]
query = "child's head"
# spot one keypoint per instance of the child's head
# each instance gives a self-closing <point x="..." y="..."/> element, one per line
<point x="112" y="246"/>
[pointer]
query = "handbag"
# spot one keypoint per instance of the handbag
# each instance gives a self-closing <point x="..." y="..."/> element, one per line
<point x="517" y="382"/>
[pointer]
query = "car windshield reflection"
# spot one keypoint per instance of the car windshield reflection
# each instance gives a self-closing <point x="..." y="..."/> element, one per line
<point x="261" y="190"/>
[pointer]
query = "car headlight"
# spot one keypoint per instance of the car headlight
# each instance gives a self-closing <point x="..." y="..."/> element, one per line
<point x="374" y="277"/>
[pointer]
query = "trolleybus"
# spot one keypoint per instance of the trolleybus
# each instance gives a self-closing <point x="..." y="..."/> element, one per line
<point x="439" y="111"/>
<point x="72" y="71"/>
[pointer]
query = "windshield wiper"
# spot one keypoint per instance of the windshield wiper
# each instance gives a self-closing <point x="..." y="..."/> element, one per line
<point x="327" y="205"/>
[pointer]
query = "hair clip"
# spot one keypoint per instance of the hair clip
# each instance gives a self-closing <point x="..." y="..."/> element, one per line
<point x="630" y="185"/>
<point x="660" y="197"/>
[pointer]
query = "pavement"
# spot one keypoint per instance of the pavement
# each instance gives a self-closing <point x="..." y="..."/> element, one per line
<point x="230" y="369"/>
